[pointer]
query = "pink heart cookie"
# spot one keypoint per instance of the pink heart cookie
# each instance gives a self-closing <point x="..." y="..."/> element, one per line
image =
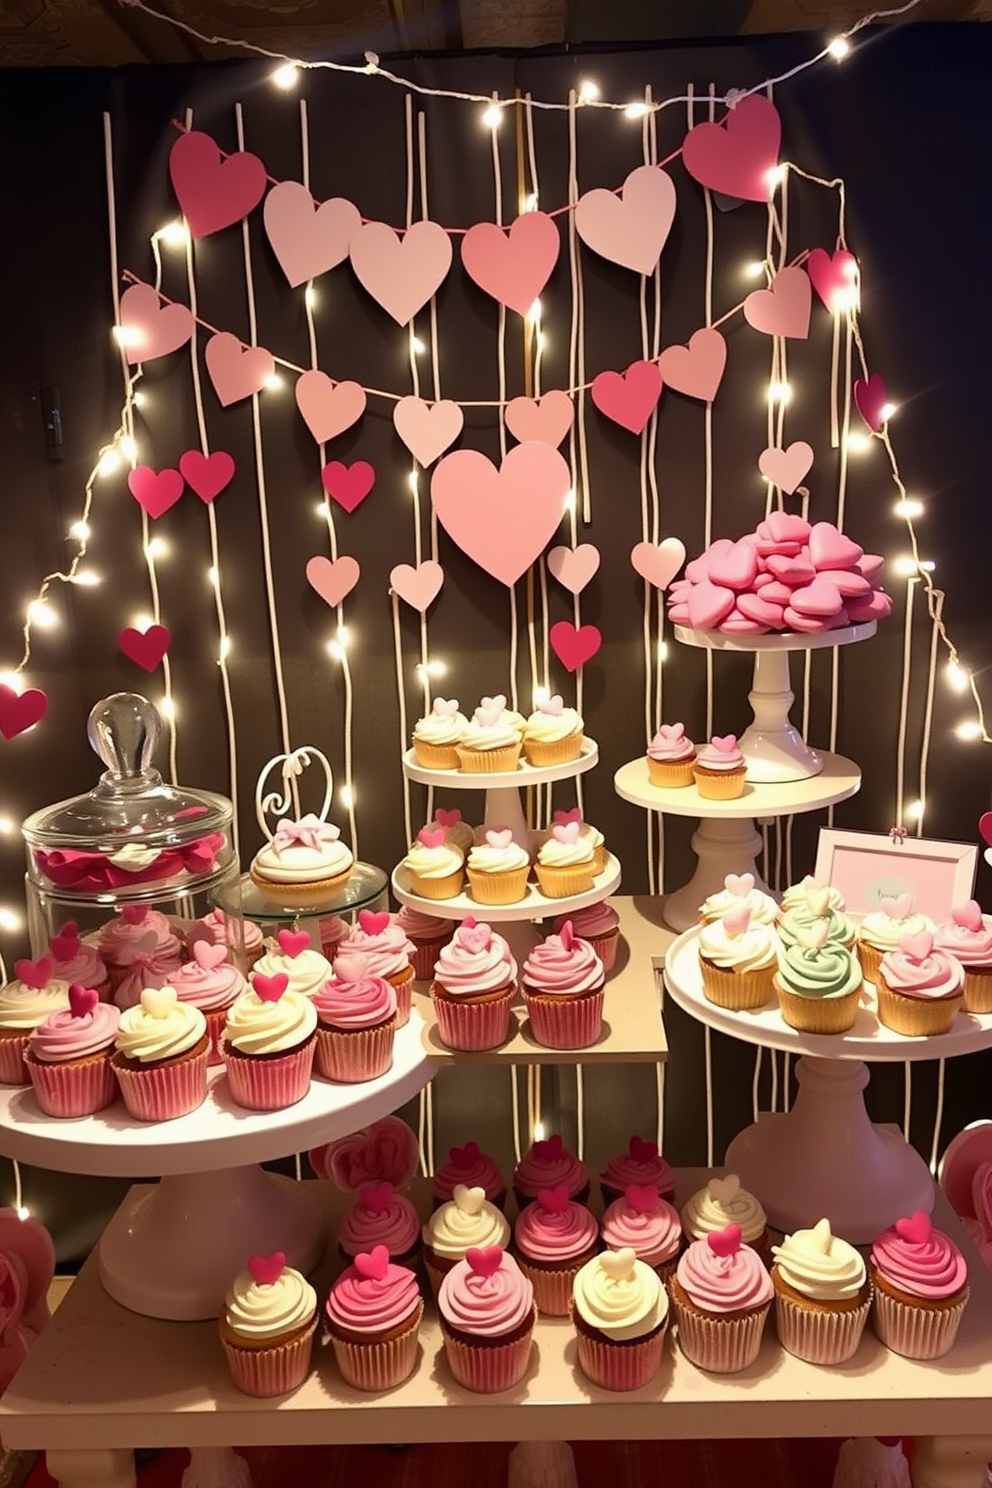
<point x="36" y="974"/>
<point x="807" y="624"/>
<point x="293" y="943"/>
<point x="740" y="884"/>
<point x="755" y="607"/>
<point x="373" y="922"/>
<point x="829" y="548"/>
<point x="725" y="1242"/>
<point x="447" y="818"/>
<point x="917" y="947"/>
<point x="641" y="1150"/>
<point x="350" y="966"/>
<point x="819" y="598"/>
<point x="736" y="921"/>
<point x="432" y="837"/>
<point x="376" y="1196"/>
<point x="791" y="569"/>
<point x="709" y="604"/>
<point x="499" y="837"/>
<point x="850" y="583"/>
<point x="267" y="1269"/>
<point x="208" y="956"/>
<point x="484" y="1262"/>
<point x="641" y="1198"/>
<point x="372" y="1265"/>
<point x="565" y="832"/>
<point x="734" y="568"/>
<point x="737" y="623"/>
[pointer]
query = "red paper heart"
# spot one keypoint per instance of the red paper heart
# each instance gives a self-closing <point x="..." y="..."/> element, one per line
<point x="82" y="1000"/>
<point x="968" y="916"/>
<point x="155" y="490"/>
<point x="20" y="711"/>
<point x="207" y="475"/>
<point x="267" y="1269"/>
<point x="376" y="1196"/>
<point x="373" y="1264"/>
<point x="213" y="191"/>
<point x="737" y="157"/>
<point x="555" y="1200"/>
<point x="292" y="942"/>
<point x="641" y="1150"/>
<point x="270" y="988"/>
<point x="917" y="947"/>
<point x="66" y="943"/>
<point x="834" y="277"/>
<point x="373" y="922"/>
<point x="870" y="398"/>
<point x="134" y="914"/>
<point x="144" y="647"/>
<point x="985" y="827"/>
<point x="35" y="973"/>
<point x="572" y="647"/>
<point x="915" y="1230"/>
<point x="725" y="1242"/>
<point x="464" y="1158"/>
<point x="642" y="1200"/>
<point x="628" y="398"/>
<point x="348" y="485"/>
<point x="485" y="1262"/>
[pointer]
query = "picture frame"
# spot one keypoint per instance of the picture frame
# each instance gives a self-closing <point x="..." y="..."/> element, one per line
<point x="868" y="866"/>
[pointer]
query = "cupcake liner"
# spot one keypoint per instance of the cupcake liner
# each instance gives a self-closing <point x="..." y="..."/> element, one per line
<point x="499" y="888"/>
<point x="817" y="1014"/>
<point x="165" y="1091"/>
<point x="671" y="775"/>
<point x="437" y="888"/>
<point x="605" y="947"/>
<point x="871" y="959"/>
<point x="916" y="1017"/>
<point x="435" y="1272"/>
<point x="13" y="1070"/>
<point x="435" y="756"/>
<point x="74" y="1087"/>
<point x="817" y="1334"/>
<point x="720" y="787"/>
<point x="404" y="999"/>
<point x="271" y="1371"/>
<point x="559" y="752"/>
<point x="350" y="1058"/>
<point x="216" y="1023"/>
<point x="269" y="1084"/>
<point x="599" y="859"/>
<point x="302" y="894"/>
<point x="473" y="1025"/>
<point x="978" y="989"/>
<point x="380" y="1364"/>
<point x="722" y="1345"/>
<point x="425" y="955"/>
<point x="489" y="761"/>
<point x="487" y="1369"/>
<point x="565" y="1022"/>
<point x="621" y="1366"/>
<point x="561" y="883"/>
<point x="736" y="990"/>
<point x="915" y="1330"/>
<point x="552" y="1289"/>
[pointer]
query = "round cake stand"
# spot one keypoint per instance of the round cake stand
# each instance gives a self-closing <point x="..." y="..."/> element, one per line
<point x="774" y="748"/>
<point x="726" y="840"/>
<point x="172" y="1251"/>
<point x="824" y="1156"/>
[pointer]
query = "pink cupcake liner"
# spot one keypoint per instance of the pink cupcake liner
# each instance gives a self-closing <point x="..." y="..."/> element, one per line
<point x="606" y="949"/>
<point x="350" y="1058"/>
<point x="621" y="1366"/>
<point x="565" y="1022"/>
<point x="73" y="1089"/>
<point x="13" y="1070"/>
<point x="166" y="1091"/>
<point x="919" y="1332"/>
<point x="216" y="1023"/>
<point x="271" y="1371"/>
<point x="487" y="1370"/>
<point x="473" y="1025"/>
<point x="270" y="1084"/>
<point x="404" y="1000"/>
<point x="552" y="1289"/>
<point x="380" y="1365"/>
<point x="819" y="1337"/>
<point x="425" y="956"/>
<point x="722" y="1345"/>
<point x="435" y="1274"/>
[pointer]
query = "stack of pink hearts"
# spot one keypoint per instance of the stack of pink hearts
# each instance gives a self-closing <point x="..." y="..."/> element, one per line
<point x="784" y="576"/>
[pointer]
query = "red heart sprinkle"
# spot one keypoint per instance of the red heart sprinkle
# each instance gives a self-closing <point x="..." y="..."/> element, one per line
<point x="915" y="1230"/>
<point x="293" y="943"/>
<point x="133" y="914"/>
<point x="270" y="989"/>
<point x="464" y="1157"/>
<point x="642" y="1150"/>
<point x="555" y="1200"/>
<point x="35" y="974"/>
<point x="267" y="1269"/>
<point x="562" y="818"/>
<point x="725" y="1242"/>
<point x="484" y="1262"/>
<point x="641" y="1199"/>
<point x="82" y="1000"/>
<point x="373" y="1264"/>
<point x="447" y="818"/>
<point x="376" y="1196"/>
<point x="373" y="922"/>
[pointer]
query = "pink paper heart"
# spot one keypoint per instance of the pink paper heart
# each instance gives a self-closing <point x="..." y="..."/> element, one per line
<point x="144" y="647"/>
<point x="697" y="369"/>
<point x="308" y="239"/>
<point x="267" y="1269"/>
<point x="725" y="1242"/>
<point x="573" y="567"/>
<point x="628" y="398"/>
<point x="155" y="490"/>
<point x="448" y="818"/>
<point x="499" y="837"/>
<point x="556" y="1200"/>
<point x="401" y="273"/>
<point x="348" y="485"/>
<point x="547" y="419"/>
<point x="20" y="711"/>
<point x="373" y="921"/>
<point x="735" y="567"/>
<point x="968" y="916"/>
<point x="629" y="229"/>
<point x="870" y="398"/>
<point x="786" y="468"/>
<point x="464" y="1158"/>
<point x="82" y="1000"/>
<point x="641" y="1150"/>
<point x="237" y="371"/>
<point x="784" y="308"/>
<point x="150" y="328"/>
<point x="917" y="947"/>
<point x="66" y="943"/>
<point x="292" y="942"/>
<point x="708" y="605"/>
<point x="916" y="1229"/>
<point x="207" y="475"/>
<point x="419" y="586"/>
<point x="740" y="884"/>
<point x="134" y="914"/>
<point x="350" y="966"/>
<point x="334" y="579"/>
<point x="328" y="408"/>
<point x="270" y="988"/>
<point x="643" y="1199"/>
<point x="213" y="192"/>
<point x="737" y="156"/>
<point x="834" y="276"/>
<point x="432" y="838"/>
<point x="376" y="1196"/>
<point x="512" y="265"/>
<point x="572" y="647"/>
<point x="897" y="906"/>
<point x="208" y="955"/>
<point x="427" y="429"/>
<point x="829" y="548"/>
<point x="502" y="519"/>
<point x="484" y="1262"/>
<point x="565" y="832"/>
<point x="736" y="921"/>
<point x="36" y="974"/>
<point x="658" y="563"/>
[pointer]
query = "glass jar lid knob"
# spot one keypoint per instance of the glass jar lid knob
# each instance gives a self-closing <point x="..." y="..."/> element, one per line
<point x="124" y="731"/>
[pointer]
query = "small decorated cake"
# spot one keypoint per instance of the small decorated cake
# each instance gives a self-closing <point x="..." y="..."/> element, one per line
<point x="646" y="1224"/>
<point x="139" y="949"/>
<point x="378" y="936"/>
<point x="68" y="1056"/>
<point x="386" y="1151"/>
<point x="498" y="868"/>
<point x="920" y="1281"/>
<point x="491" y="741"/>
<point x="471" y="1168"/>
<point x="620" y="1311"/>
<point x="75" y="961"/>
<point x="210" y="982"/>
<point x="269" y="1044"/>
<point x="920" y="988"/>
<point x="813" y="908"/>
<point x="738" y="961"/>
<point x="547" y="1163"/>
<point x="267" y="1327"/>
<point x="553" y="734"/>
<point x="599" y="924"/>
<point x="436" y="736"/>
<point x="467" y="1220"/>
<point x="235" y="935"/>
<point x="435" y="865"/>
<point x="639" y="1163"/>
<point x="671" y="755"/>
<point x="739" y="892"/>
<point x="721" y="1202"/>
<point x="722" y="1294"/>
<point x="968" y="938"/>
<point x="374" y="1309"/>
<point x="427" y="933"/>
<point x="719" y="769"/>
<point x="381" y="1216"/>
<point x="552" y="1238"/>
<point x="562" y="983"/>
<point x="486" y="1305"/>
<point x="356" y="1022"/>
<point x="818" y="982"/>
<point x="24" y="1004"/>
<point x="474" y="983"/>
<point x="304" y="860"/>
<point x="293" y="957"/>
<point x="565" y="862"/>
<point x="822" y="1295"/>
<point x="882" y="929"/>
<point x="160" y="1062"/>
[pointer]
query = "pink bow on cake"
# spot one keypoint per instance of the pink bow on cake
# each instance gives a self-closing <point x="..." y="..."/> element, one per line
<point x="309" y="831"/>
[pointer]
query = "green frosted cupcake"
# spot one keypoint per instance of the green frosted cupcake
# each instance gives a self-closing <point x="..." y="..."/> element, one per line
<point x="813" y="906"/>
<point x="818" y="982"/>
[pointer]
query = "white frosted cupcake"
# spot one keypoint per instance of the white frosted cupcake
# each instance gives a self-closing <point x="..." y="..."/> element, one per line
<point x="491" y="742"/>
<point x="267" y="1327"/>
<point x="620" y="1312"/>
<point x="293" y="957"/>
<point x="498" y="868"/>
<point x="822" y="1295"/>
<point x="304" y="863"/>
<point x="553" y="734"/>
<point x="25" y="1003"/>
<point x="436" y="736"/>
<point x="435" y="865"/>
<point x="738" y="960"/>
<point x="160" y="1058"/>
<point x="721" y="1202"/>
<point x="565" y="862"/>
<point x="269" y="1044"/>
<point x="738" y="889"/>
<point x="797" y="894"/>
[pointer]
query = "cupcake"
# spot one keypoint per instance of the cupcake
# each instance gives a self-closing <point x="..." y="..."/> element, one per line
<point x="436" y="736"/>
<point x="547" y="1163"/>
<point x="458" y="832"/>
<point x="474" y="982"/>
<point x="968" y="938"/>
<point x="294" y="957"/>
<point x="267" y="1327"/>
<point x="471" y="1168"/>
<point x="722" y="1294"/>
<point x="467" y="1220"/>
<point x="24" y="1004"/>
<point x="303" y="863"/>
<point x="738" y="961"/>
<point x="813" y="908"/>
<point x="739" y="892"/>
<point x="640" y="1163"/>
<point x="620" y="1311"/>
<point x="331" y="931"/>
<point x="722" y="1202"/>
<point x="427" y="933"/>
<point x="797" y="894"/>
<point x="139" y="949"/>
<point x="498" y="868"/>
<point x="552" y="1239"/>
<point x="160" y="1057"/>
<point x="562" y="984"/>
<point x="646" y="1224"/>
<point x="491" y="742"/>
<point x="75" y="961"/>
<point x="818" y="982"/>
<point x="671" y="756"/>
<point x="565" y="863"/>
<point x="553" y="734"/>
<point x="920" y="1281"/>
<point x="381" y="1216"/>
<point x="268" y="1045"/>
<point x="210" y="982"/>
<point x="378" y="936"/>
<point x="719" y="769"/>
<point x="374" y="1310"/>
<point x="68" y="1056"/>
<point x="882" y="929"/>
<point x="822" y="1295"/>
<point x="242" y="939"/>
<point x="356" y="1022"/>
<point x="599" y="924"/>
<point x="435" y="865"/>
<point x="920" y="989"/>
<point x="486" y="1306"/>
<point x="385" y="1151"/>
<point x="587" y="833"/>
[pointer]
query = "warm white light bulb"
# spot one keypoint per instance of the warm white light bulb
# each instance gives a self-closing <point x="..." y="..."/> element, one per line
<point x="754" y="269"/>
<point x="413" y="481"/>
<point x="914" y="811"/>
<point x="127" y="335"/>
<point x="139" y="399"/>
<point x="344" y="636"/>
<point x="310" y="297"/>
<point x="225" y="647"/>
<point x="287" y="76"/>
<point x="493" y="116"/>
<point x="779" y="392"/>
<point x="542" y="341"/>
<point x="541" y="695"/>
<point x="904" y="566"/>
<point x="167" y="708"/>
<point x="41" y="613"/>
<point x="909" y="508"/>
<point x="663" y="651"/>
<point x="213" y="577"/>
<point x="13" y="681"/>
<point x="534" y="313"/>
<point x="538" y="1131"/>
<point x="436" y="668"/>
<point x="9" y="919"/>
<point x="839" y="48"/>
<point x="588" y="90"/>
<point x="6" y="827"/>
<point x="927" y="565"/>
<point x="346" y="796"/>
<point x="22" y="1212"/>
<point x="86" y="578"/>
<point x="570" y="501"/>
<point x="635" y="111"/>
<point x="956" y="676"/>
<point x="530" y="202"/>
<point x="334" y="650"/>
<point x="142" y="623"/>
<point x="858" y="443"/>
<point x="775" y="176"/>
<point x="418" y="346"/>
<point x="887" y="410"/>
<point x="174" y="234"/>
<point x="969" y="730"/>
<point x="156" y="547"/>
<point x="108" y="463"/>
<point x="321" y="510"/>
<point x="80" y="531"/>
<point x="274" y="382"/>
<point x="127" y="447"/>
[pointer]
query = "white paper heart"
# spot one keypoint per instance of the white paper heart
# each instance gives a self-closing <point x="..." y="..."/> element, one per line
<point x="401" y="274"/>
<point x="308" y="239"/>
<point x="427" y="429"/>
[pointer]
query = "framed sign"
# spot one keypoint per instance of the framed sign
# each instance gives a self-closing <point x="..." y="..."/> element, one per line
<point x="867" y="867"/>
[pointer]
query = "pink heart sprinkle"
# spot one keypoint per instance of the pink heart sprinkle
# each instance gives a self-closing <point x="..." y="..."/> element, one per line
<point x="553" y="706"/>
<point x="555" y="1200"/>
<point x="293" y="943"/>
<point x="917" y="947"/>
<point x="740" y="884"/>
<point x="672" y="732"/>
<point x="641" y="1150"/>
<point x="573" y="814"/>
<point x="567" y="936"/>
<point x="35" y="974"/>
<point x="898" y="908"/>
<point x="642" y="1199"/>
<point x="373" y="1264"/>
<point x="207" y="955"/>
<point x="915" y="1230"/>
<point x="968" y="916"/>
<point x="725" y="1242"/>
<point x="373" y="922"/>
<point x="270" y="989"/>
<point x="736" y="921"/>
<point x="133" y="914"/>
<point x="350" y="966"/>
<point x="447" y="818"/>
<point x="495" y="704"/>
<point x="474" y="937"/>
<point x="429" y="837"/>
<point x="267" y="1269"/>
<point x="499" y="837"/>
<point x="445" y="707"/>
<point x="565" y="832"/>
<point x="376" y="1196"/>
<point x="66" y="943"/>
<point x="82" y="1000"/>
<point x="725" y="743"/>
<point x="464" y="1158"/>
<point x="550" y="1147"/>
<point x="485" y="1262"/>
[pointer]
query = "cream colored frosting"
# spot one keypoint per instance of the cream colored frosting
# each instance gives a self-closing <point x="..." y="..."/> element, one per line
<point x="298" y="863"/>
<point x="159" y="1026"/>
<point x="720" y="1203"/>
<point x="819" y="1265"/>
<point x="556" y="854"/>
<point x="255" y="1026"/>
<point x="442" y="726"/>
<point x="797" y="894"/>
<point x="490" y="733"/>
<point x="25" y="1007"/>
<point x="256" y="1311"/>
<point x="753" y="949"/>
<point x="546" y="726"/>
<point x="304" y="972"/>
<point x="619" y="1295"/>
<point x="739" y="890"/>
<point x="468" y="1221"/>
<point x="434" y="862"/>
<point x="881" y="931"/>
<point x="506" y="857"/>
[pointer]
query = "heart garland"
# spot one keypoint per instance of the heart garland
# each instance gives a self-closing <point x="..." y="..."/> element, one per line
<point x="156" y="491"/>
<point x="514" y="264"/>
<point x="333" y="581"/>
<point x="629" y="229"/>
<point x="628" y="398"/>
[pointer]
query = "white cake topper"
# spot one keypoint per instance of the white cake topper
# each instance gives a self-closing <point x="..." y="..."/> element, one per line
<point x="279" y="802"/>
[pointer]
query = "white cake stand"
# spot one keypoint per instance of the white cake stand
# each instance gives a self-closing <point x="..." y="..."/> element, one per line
<point x="824" y="1156"/>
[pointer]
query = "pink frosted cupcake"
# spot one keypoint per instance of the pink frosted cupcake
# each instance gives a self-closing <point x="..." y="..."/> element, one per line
<point x="381" y="1216"/>
<point x="822" y="1295"/>
<point x="385" y="1151"/>
<point x="474" y="983"/>
<point x="487" y="1314"/>
<point x="293" y="956"/>
<point x="210" y="982"/>
<point x="426" y="933"/>
<point x="217" y="928"/>
<point x="552" y="1239"/>
<point x="599" y="924"/>
<point x="722" y="1293"/>
<point x="467" y="1221"/>
<point x="374" y="1311"/>
<point x="356" y="1022"/>
<point x="646" y="1224"/>
<point x="968" y="938"/>
<point x="547" y="1164"/>
<point x="68" y="1056"/>
<point x="267" y="1327"/>
<point x="471" y="1168"/>
<point x="620" y="1311"/>
<point x="562" y="985"/>
<point x="920" y="989"/>
<point x="24" y="1004"/>
<point x="920" y="1280"/>
<point x="390" y="954"/>
<point x="139" y="949"/>
<point x="671" y="754"/>
<point x="719" y="769"/>
<point x="642" y="1164"/>
<point x="160" y="1058"/>
<point x="882" y="929"/>
<point x="268" y="1045"/>
<point x="75" y="961"/>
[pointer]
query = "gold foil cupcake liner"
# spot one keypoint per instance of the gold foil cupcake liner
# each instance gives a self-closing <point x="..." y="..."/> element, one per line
<point x="437" y="888"/>
<point x="559" y="752"/>
<point x="916" y="1017"/>
<point x="489" y="761"/>
<point x="671" y="774"/>
<point x="499" y="888"/>
<point x="737" y="991"/>
<point x="725" y="786"/>
<point x="817" y="1014"/>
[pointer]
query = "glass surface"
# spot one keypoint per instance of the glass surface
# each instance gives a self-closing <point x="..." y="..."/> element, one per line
<point x="365" y="889"/>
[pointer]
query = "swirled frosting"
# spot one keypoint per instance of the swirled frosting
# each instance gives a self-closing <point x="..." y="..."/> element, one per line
<point x="917" y="969"/>
<point x="797" y="894"/>
<point x="380" y="1217"/>
<point x="467" y="1221"/>
<point x="470" y="1167"/>
<point x="475" y="962"/>
<point x="739" y="891"/>
<point x="554" y="1229"/>
<point x="217" y="928"/>
<point x="486" y="1305"/>
<point x="304" y="972"/>
<point x="546" y="1164"/>
<point x="551" y="722"/>
<point x="644" y="1223"/>
<point x="565" y="851"/>
<point x="458" y="832"/>
<point x="375" y="1303"/>
<point x="720" y="1202"/>
<point x="967" y="936"/>
<point x="830" y="970"/>
<point x="256" y="1027"/>
<point x="819" y="1265"/>
<point x="884" y="931"/>
<point x="385" y="1151"/>
<point x="642" y="1164"/>
<point x="255" y="1311"/>
<point x="916" y="1259"/>
<point x="563" y="965"/>
<point x="489" y="731"/>
<point x="724" y="1280"/>
<point x="68" y="1035"/>
<point x="75" y="961"/>
<point x="134" y="933"/>
<point x="442" y="726"/>
<point x="498" y="853"/>
<point x="592" y="923"/>
<point x="159" y="1026"/>
<point x="417" y="926"/>
<point x="321" y="855"/>
<point x="720" y="761"/>
<point x="671" y="745"/>
<point x="24" y="1007"/>
<point x="435" y="859"/>
<point x="802" y="917"/>
<point x="751" y="948"/>
<point x="352" y="998"/>
<point x="209" y="988"/>
<point x="387" y="948"/>
<point x="620" y="1296"/>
